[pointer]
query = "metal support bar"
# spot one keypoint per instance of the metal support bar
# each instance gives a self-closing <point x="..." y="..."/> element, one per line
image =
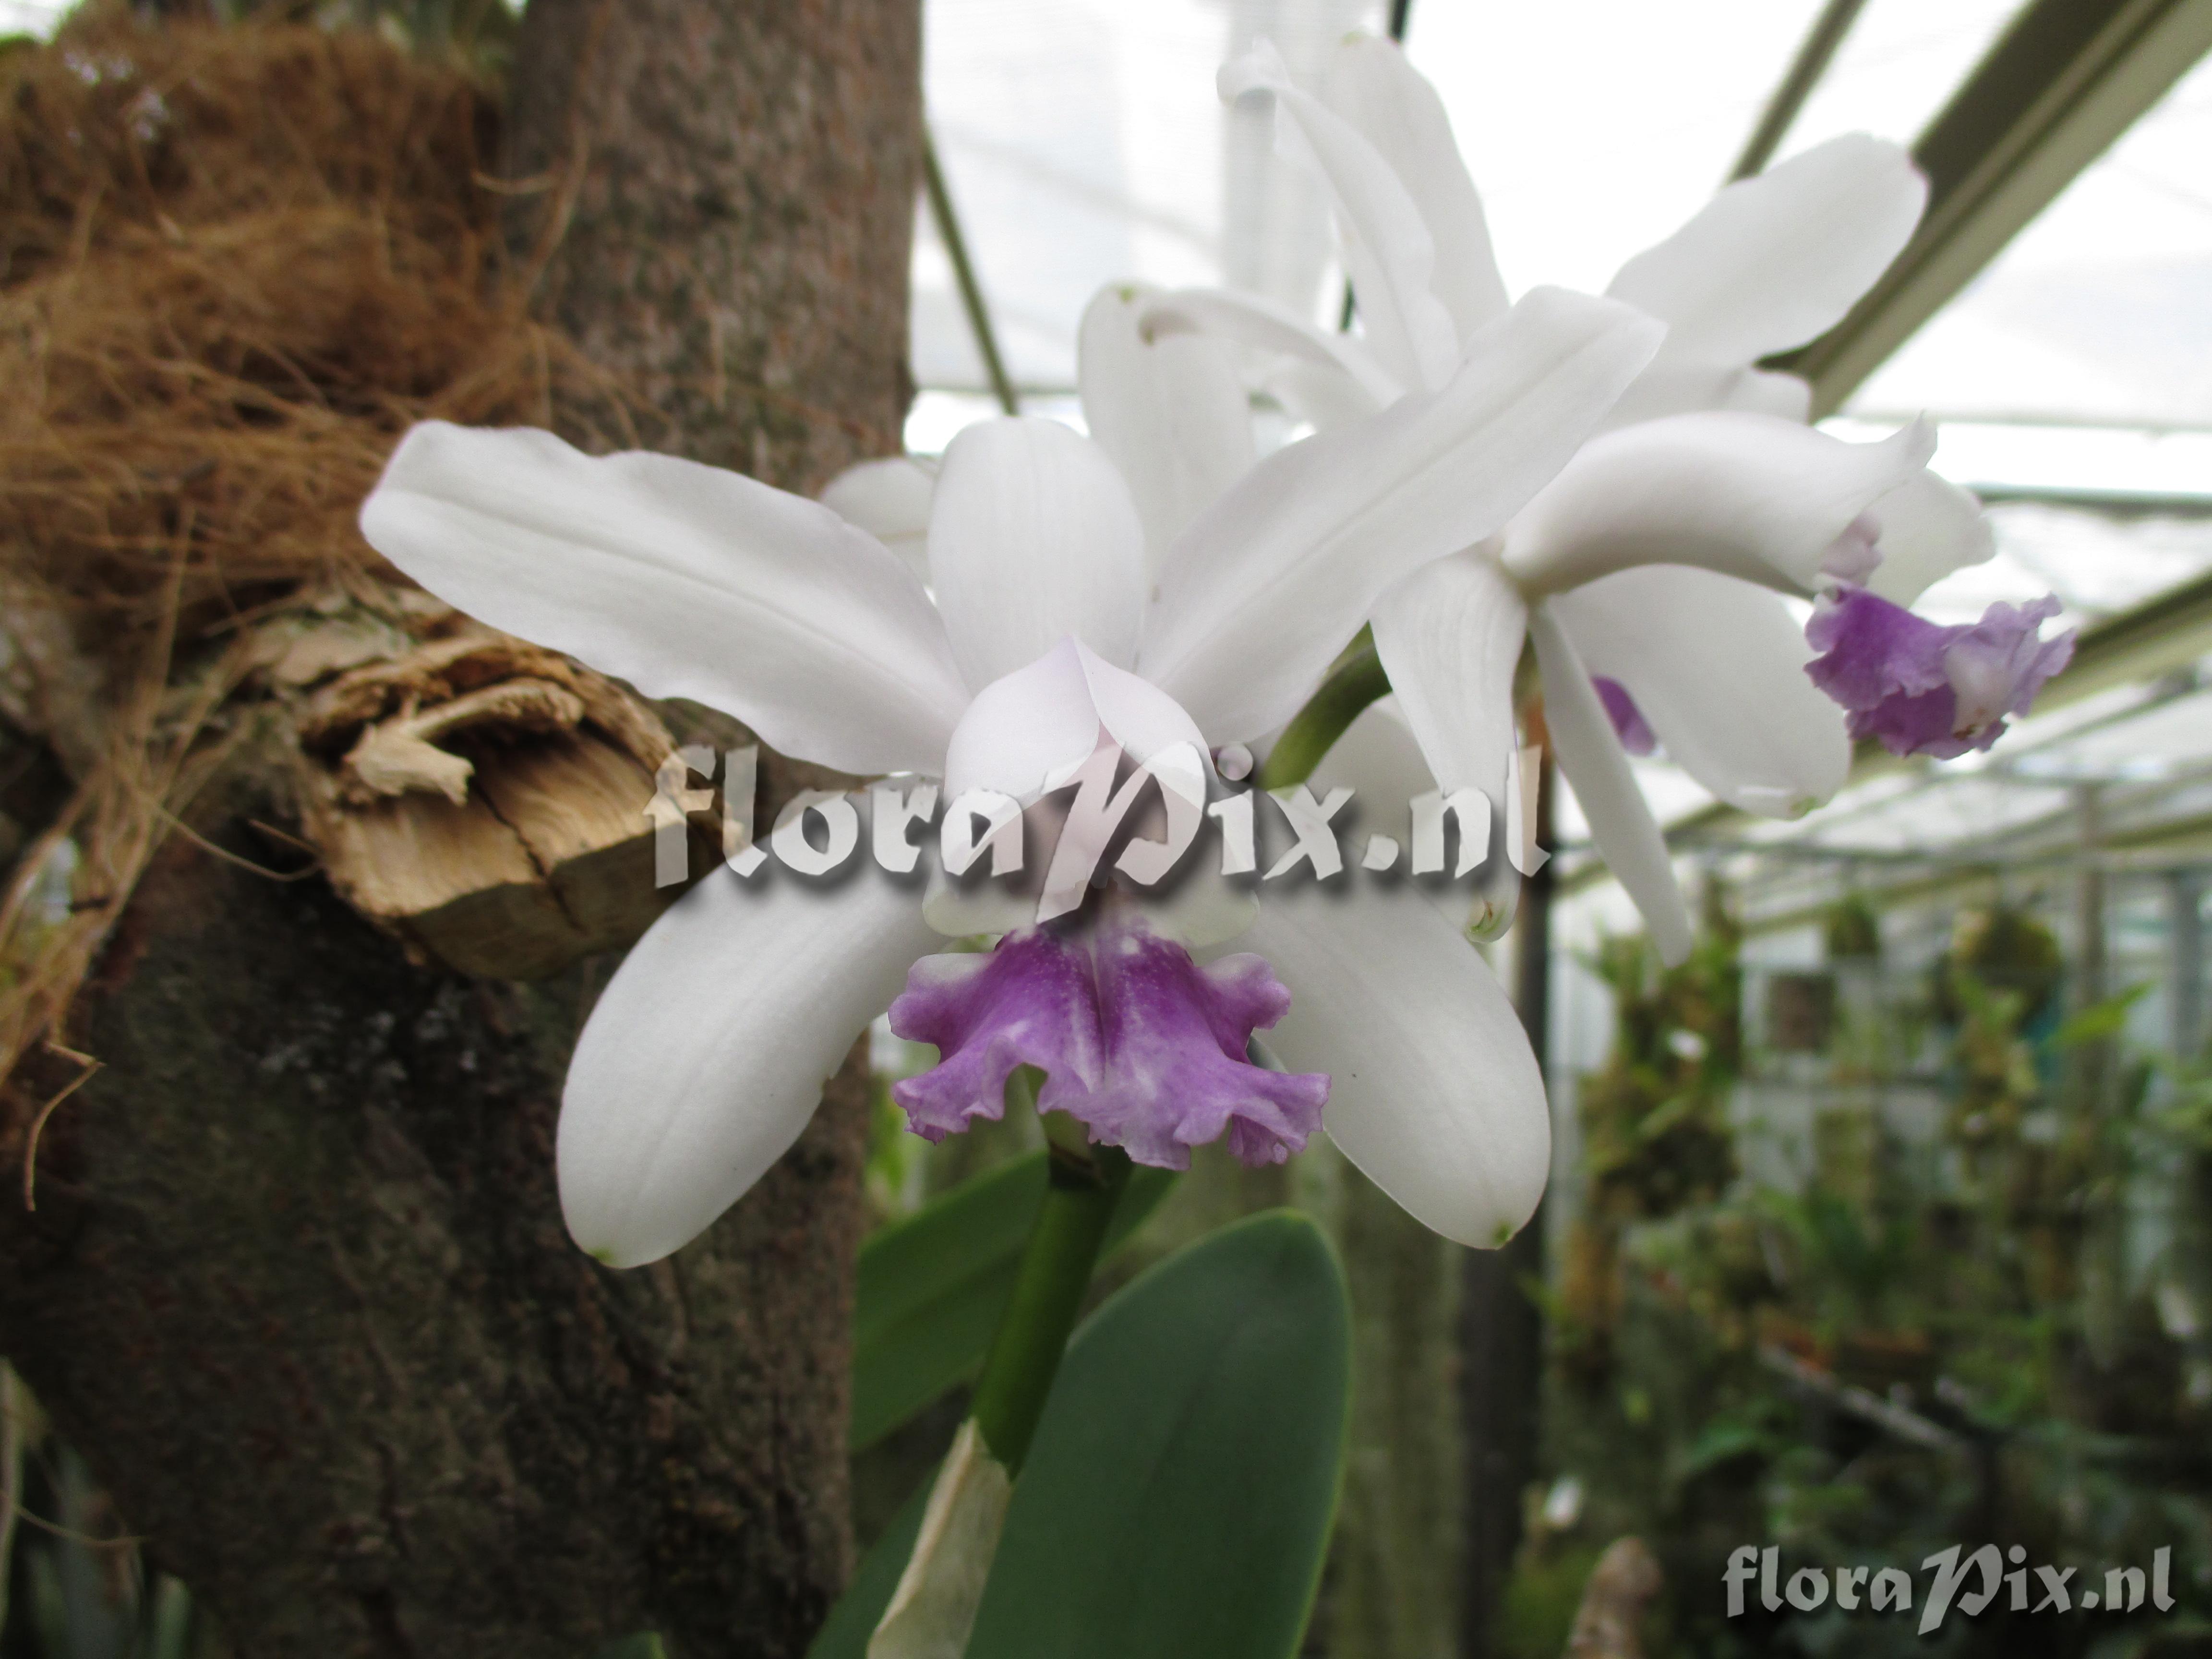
<point x="2066" y="79"/>
<point x="964" y="271"/>
<point x="1806" y="70"/>
<point x="2184" y="976"/>
<point x="2172" y="631"/>
<point x="2111" y="503"/>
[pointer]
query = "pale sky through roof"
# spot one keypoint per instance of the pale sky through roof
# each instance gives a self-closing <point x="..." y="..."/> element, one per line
<point x="1085" y="144"/>
<point x="1594" y="129"/>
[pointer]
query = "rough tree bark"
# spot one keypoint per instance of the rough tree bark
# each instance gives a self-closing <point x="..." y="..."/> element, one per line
<point x="728" y="189"/>
<point x="297" y="1283"/>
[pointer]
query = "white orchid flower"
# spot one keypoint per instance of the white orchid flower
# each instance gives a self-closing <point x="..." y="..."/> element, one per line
<point x="1649" y="572"/>
<point x="1053" y="618"/>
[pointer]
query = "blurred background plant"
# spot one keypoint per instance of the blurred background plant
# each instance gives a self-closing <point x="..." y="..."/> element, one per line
<point x="1906" y="1324"/>
<point x="76" y="1585"/>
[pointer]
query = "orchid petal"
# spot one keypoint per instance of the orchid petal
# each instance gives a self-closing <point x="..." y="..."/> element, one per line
<point x="1763" y="392"/>
<point x="1391" y="105"/>
<point x="686" y="580"/>
<point x="1773" y="261"/>
<point x="706" y="1054"/>
<point x="1033" y="538"/>
<point x="1255" y="320"/>
<point x="1717" y="667"/>
<point x="889" y="499"/>
<point x="1449" y="637"/>
<point x="1266" y="588"/>
<point x="1167" y="407"/>
<point x="1929" y="527"/>
<point x="1745" y="494"/>
<point x="1378" y="760"/>
<point x="1027" y="731"/>
<point x="1627" y="835"/>
<point x="1433" y="1092"/>
<point x="1676" y="384"/>
<point x="1322" y="399"/>
<point x="1388" y="249"/>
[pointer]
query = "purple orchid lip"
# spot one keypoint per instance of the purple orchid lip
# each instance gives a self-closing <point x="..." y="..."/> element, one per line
<point x="1634" y="731"/>
<point x="1136" y="1039"/>
<point x="1856" y="554"/>
<point x="1924" y="689"/>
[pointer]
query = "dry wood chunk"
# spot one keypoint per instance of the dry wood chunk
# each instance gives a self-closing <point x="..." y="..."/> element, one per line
<point x="485" y="800"/>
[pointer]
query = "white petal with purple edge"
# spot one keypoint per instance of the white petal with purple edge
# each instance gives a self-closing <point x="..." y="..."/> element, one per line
<point x="1433" y="1092"/>
<point x="705" y="1055"/>
<point x="1265" y="588"/>
<point x="1168" y="408"/>
<point x="1033" y="537"/>
<point x="1717" y="667"/>
<point x="889" y="500"/>
<point x="1773" y="261"/>
<point x="1748" y="495"/>
<point x="686" y="580"/>
<point x="1621" y="822"/>
<point x="1393" y="107"/>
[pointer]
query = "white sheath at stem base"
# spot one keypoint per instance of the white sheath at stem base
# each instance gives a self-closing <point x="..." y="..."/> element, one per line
<point x="934" y="1607"/>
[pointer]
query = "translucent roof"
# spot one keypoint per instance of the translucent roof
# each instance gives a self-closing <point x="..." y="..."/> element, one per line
<point x="2097" y="313"/>
<point x="1896" y="68"/>
<point x="1082" y="143"/>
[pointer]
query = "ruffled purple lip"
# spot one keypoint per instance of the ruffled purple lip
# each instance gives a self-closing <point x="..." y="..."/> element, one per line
<point x="1135" y="1039"/>
<point x="1923" y="688"/>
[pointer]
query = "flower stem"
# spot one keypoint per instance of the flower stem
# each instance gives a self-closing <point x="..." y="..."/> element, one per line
<point x="1356" y="681"/>
<point x="1084" y="1184"/>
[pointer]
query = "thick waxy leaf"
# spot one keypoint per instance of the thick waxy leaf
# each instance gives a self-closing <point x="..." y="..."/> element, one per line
<point x="1177" y="1503"/>
<point x="931" y="1286"/>
<point x="845" y="1633"/>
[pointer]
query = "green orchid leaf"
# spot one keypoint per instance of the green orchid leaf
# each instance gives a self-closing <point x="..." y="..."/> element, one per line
<point x="931" y="1286"/>
<point x="1178" y="1500"/>
<point x="860" y="1609"/>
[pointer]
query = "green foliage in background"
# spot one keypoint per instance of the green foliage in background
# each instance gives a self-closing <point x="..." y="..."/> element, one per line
<point x="1178" y="1500"/>
<point x="1925" y="1339"/>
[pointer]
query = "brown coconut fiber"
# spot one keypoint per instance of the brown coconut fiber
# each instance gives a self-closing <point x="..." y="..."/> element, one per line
<point x="235" y="263"/>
